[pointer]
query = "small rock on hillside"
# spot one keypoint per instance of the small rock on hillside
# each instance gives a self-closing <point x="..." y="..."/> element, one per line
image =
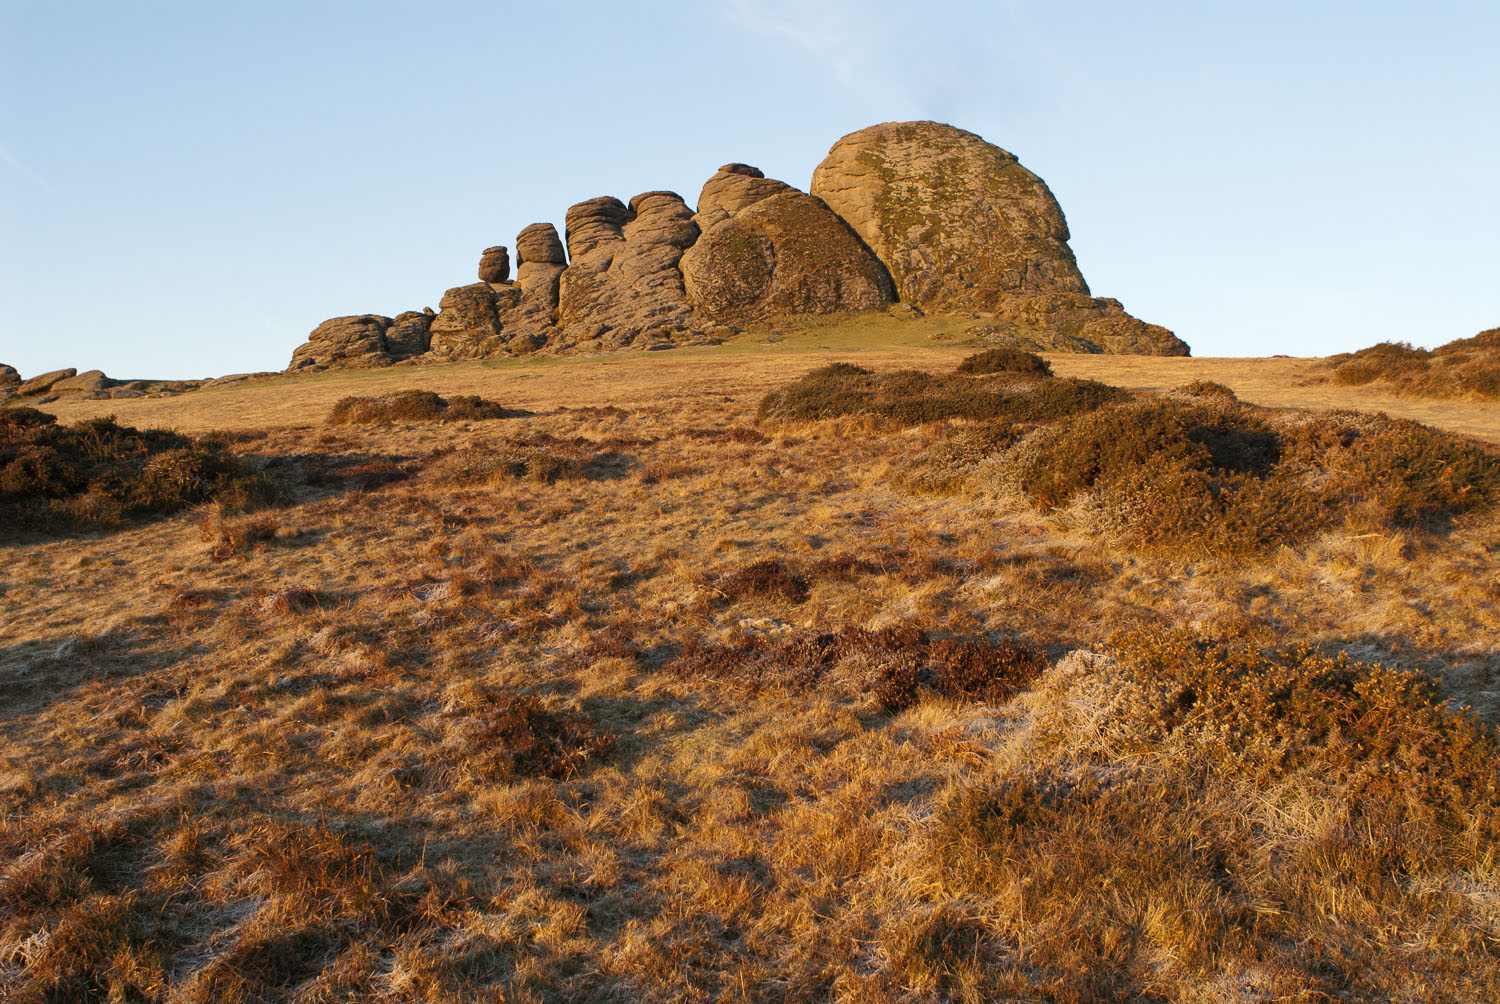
<point x="963" y="227"/>
<point x="42" y="382"/>
<point x="769" y="249"/>
<point x="622" y="285"/>
<point x="87" y="382"/>
<point x="9" y="376"/>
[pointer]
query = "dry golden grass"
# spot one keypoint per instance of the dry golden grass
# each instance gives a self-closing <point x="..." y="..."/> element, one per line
<point x="426" y="735"/>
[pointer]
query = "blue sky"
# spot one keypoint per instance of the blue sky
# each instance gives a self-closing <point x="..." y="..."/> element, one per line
<point x="186" y="189"/>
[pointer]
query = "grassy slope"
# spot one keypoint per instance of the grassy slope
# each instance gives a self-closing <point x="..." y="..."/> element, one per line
<point x="264" y="771"/>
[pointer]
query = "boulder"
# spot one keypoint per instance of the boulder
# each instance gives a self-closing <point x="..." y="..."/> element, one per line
<point x="9" y="377"/>
<point x="732" y="188"/>
<point x="410" y="334"/>
<point x="43" y="382"/>
<point x="539" y="244"/>
<point x="494" y="265"/>
<point x="540" y="261"/>
<point x="768" y="249"/>
<point x="355" y="342"/>
<point x="963" y="227"/>
<point x="87" y="382"/>
<point x="622" y="285"/>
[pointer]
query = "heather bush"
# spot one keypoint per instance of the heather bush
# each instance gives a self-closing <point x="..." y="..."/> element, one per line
<point x="1468" y="366"/>
<point x="1006" y="361"/>
<point x="415" y="406"/>
<point x="912" y="397"/>
<point x="98" y="474"/>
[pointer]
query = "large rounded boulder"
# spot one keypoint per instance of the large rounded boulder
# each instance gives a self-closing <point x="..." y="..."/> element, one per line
<point x="768" y="249"/>
<point x="963" y="227"/>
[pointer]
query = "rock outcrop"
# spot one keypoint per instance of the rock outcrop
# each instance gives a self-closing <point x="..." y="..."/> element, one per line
<point x="494" y="264"/>
<point x="87" y="382"/>
<point x="42" y="382"/>
<point x="768" y="249"/>
<point x="9" y="376"/>
<point x="912" y="217"/>
<point x="963" y="227"/>
<point x="622" y="284"/>
<point x="363" y="341"/>
<point x="540" y="261"/>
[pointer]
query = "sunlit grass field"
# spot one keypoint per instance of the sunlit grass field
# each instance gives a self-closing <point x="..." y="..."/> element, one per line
<point x="644" y="693"/>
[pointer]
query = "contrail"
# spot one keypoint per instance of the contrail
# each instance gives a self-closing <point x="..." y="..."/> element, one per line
<point x="20" y="165"/>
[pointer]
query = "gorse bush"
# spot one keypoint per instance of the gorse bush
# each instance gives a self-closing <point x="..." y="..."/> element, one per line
<point x="415" y="406"/>
<point x="911" y="397"/>
<point x="1205" y="475"/>
<point x="1006" y="361"/>
<point x="1180" y="829"/>
<point x="1469" y="366"/>
<point x="98" y="474"/>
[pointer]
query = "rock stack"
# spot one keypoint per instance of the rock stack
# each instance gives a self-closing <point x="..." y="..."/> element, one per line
<point x="916" y="212"/>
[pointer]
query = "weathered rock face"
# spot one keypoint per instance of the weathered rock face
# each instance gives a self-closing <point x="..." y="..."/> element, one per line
<point x="354" y="342"/>
<point x="410" y="334"/>
<point x="480" y="320"/>
<point x="9" y="376"/>
<point x="769" y="249"/>
<point x="732" y="188"/>
<point x="540" y="261"/>
<point x="963" y="227"/>
<point x="42" y="382"/>
<point x="494" y="264"/>
<point x="87" y="382"/>
<point x="622" y="284"/>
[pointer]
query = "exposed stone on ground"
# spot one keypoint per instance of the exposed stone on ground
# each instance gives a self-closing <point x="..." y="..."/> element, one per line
<point x="963" y="227"/>
<point x="87" y="382"/>
<point x="42" y="382"/>
<point x="126" y="392"/>
<point x="9" y="376"/>
<point x="494" y="264"/>
<point x="768" y="249"/>
<point x="231" y="378"/>
<point x="622" y="285"/>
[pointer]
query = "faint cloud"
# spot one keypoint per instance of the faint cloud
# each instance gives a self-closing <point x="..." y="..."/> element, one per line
<point x="249" y="308"/>
<point x="16" y="162"/>
<point x="844" y="35"/>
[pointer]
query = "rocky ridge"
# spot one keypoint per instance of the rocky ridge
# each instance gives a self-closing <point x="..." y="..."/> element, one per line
<point x="909" y="216"/>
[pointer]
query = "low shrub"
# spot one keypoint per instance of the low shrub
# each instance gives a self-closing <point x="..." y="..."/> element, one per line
<point x="1204" y="475"/>
<point x="415" y="406"/>
<point x="518" y="737"/>
<point x="539" y="458"/>
<point x="1468" y="366"/>
<point x="898" y="663"/>
<point x="1184" y="814"/>
<point x="768" y="578"/>
<point x="912" y="397"/>
<point x="1006" y="361"/>
<point x="98" y="474"/>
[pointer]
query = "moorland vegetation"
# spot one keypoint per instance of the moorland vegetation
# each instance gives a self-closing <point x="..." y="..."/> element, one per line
<point x="877" y="684"/>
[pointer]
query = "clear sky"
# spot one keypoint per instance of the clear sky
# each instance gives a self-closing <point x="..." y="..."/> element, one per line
<point x="188" y="188"/>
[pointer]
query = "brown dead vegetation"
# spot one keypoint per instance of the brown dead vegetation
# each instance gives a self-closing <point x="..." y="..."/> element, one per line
<point x="496" y="729"/>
